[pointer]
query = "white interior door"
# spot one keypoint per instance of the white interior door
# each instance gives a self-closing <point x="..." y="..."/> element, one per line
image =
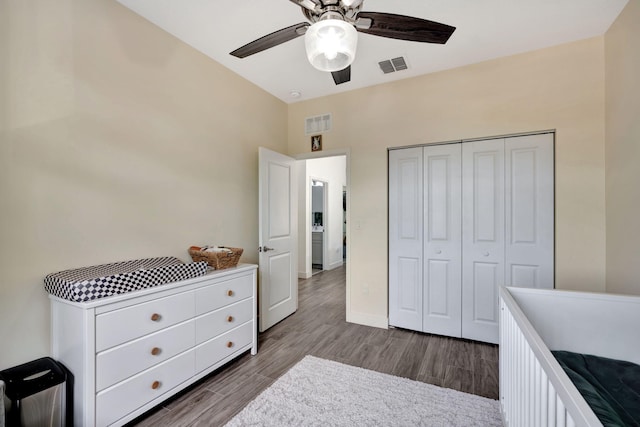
<point x="529" y="207"/>
<point x="483" y="244"/>
<point x="442" y="240"/>
<point x="405" y="238"/>
<point x="278" y="285"/>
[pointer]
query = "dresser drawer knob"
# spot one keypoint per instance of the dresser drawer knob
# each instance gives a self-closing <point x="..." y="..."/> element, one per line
<point x="155" y="351"/>
<point x="155" y="317"/>
<point x="230" y="344"/>
<point x="229" y="319"/>
<point x="230" y="293"/>
<point x="155" y="385"/>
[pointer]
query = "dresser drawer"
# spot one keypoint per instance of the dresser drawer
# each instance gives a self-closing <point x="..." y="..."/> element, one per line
<point x="118" y="401"/>
<point x="121" y="362"/>
<point x="213" y="351"/>
<point x="215" y="323"/>
<point x="215" y="296"/>
<point x="119" y="326"/>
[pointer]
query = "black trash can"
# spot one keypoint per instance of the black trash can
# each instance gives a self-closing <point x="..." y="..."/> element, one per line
<point x="40" y="394"/>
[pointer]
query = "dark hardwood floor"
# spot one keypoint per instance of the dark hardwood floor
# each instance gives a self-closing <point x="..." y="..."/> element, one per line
<point x="319" y="328"/>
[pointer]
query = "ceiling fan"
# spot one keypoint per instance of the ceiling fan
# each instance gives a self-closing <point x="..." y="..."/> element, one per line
<point x="331" y="38"/>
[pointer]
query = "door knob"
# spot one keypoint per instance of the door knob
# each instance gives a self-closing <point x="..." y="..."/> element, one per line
<point x="486" y="254"/>
<point x="265" y="249"/>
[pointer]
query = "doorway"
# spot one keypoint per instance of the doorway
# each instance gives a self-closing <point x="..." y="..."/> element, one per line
<point x="319" y="216"/>
<point x="322" y="198"/>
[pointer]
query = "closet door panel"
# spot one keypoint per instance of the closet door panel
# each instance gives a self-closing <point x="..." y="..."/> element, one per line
<point x="529" y="198"/>
<point x="483" y="237"/>
<point x="442" y="240"/>
<point x="405" y="238"/>
<point x="485" y="292"/>
<point x="408" y="295"/>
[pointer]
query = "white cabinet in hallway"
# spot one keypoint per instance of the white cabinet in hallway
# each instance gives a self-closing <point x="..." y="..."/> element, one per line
<point x="317" y="248"/>
<point x="464" y="219"/>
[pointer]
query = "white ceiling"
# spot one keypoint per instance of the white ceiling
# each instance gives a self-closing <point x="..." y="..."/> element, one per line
<point x="486" y="29"/>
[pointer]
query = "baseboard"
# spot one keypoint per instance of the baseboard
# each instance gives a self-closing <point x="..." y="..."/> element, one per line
<point x="335" y="265"/>
<point x="304" y="275"/>
<point x="367" y="320"/>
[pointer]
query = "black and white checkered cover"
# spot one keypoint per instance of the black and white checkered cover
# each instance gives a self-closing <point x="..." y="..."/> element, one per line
<point x="89" y="283"/>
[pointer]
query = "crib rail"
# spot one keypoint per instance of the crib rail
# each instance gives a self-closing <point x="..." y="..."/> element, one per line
<point x="534" y="389"/>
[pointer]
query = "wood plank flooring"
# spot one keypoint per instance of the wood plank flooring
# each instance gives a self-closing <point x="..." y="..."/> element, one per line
<point x="319" y="328"/>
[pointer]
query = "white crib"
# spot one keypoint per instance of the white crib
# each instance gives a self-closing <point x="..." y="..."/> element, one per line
<point x="534" y="389"/>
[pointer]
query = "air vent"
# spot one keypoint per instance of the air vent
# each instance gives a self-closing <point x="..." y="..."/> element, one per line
<point x="399" y="63"/>
<point x="391" y="65"/>
<point x="386" y="66"/>
<point x="317" y="124"/>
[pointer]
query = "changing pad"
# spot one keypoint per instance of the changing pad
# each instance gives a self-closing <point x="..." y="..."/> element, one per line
<point x="90" y="283"/>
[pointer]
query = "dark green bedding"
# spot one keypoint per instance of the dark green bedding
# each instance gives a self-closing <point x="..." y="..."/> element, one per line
<point x="610" y="387"/>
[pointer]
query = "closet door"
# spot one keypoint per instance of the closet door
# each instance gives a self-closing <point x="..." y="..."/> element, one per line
<point x="529" y="198"/>
<point x="442" y="240"/>
<point x="483" y="237"/>
<point x="405" y="238"/>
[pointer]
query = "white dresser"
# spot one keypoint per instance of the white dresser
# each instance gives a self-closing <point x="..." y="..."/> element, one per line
<point x="130" y="352"/>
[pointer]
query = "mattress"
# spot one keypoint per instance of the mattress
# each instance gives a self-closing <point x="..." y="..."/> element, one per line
<point x="90" y="283"/>
<point x="610" y="387"/>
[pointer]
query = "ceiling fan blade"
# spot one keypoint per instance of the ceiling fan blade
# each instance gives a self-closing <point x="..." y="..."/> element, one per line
<point x="271" y="40"/>
<point x="342" y="76"/>
<point x="307" y="4"/>
<point x="404" y="27"/>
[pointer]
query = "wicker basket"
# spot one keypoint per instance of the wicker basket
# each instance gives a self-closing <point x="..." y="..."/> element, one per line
<point x="217" y="260"/>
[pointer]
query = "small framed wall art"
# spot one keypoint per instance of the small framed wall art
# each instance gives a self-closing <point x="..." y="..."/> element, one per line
<point x="316" y="143"/>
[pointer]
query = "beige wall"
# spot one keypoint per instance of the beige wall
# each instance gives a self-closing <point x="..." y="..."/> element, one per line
<point x="623" y="151"/>
<point x="558" y="88"/>
<point x="117" y="141"/>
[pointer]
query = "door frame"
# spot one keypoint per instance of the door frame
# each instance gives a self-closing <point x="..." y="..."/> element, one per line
<point x="334" y="153"/>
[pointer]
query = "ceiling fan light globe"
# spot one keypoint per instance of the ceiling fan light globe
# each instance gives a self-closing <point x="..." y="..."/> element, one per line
<point x="351" y="3"/>
<point x="331" y="44"/>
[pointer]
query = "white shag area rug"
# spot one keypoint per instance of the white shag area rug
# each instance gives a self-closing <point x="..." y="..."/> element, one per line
<point x="318" y="392"/>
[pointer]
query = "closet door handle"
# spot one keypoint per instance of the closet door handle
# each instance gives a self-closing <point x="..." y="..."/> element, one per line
<point x="486" y="254"/>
